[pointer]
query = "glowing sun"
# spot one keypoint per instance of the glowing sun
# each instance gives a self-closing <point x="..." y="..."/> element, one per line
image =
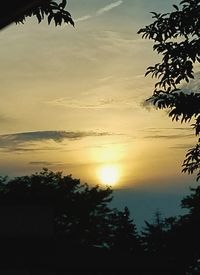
<point x="109" y="175"/>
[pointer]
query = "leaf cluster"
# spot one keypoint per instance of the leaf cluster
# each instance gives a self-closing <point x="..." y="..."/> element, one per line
<point x="176" y="37"/>
<point x="192" y="161"/>
<point x="51" y="10"/>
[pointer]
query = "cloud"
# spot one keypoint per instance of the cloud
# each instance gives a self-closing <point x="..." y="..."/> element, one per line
<point x="83" y="18"/>
<point x="41" y="163"/>
<point x="109" y="7"/>
<point x="101" y="11"/>
<point x="44" y="163"/>
<point x="152" y="129"/>
<point x="168" y="136"/>
<point x="168" y="133"/>
<point x="28" y="141"/>
<point x="93" y="103"/>
<point x="182" y="146"/>
<point x="71" y="103"/>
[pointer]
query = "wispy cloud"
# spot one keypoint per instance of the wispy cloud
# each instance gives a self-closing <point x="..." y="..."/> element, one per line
<point x="168" y="133"/>
<point x="109" y="7"/>
<point x="93" y="103"/>
<point x="182" y="146"/>
<point x="70" y="103"/>
<point x="28" y="141"/>
<point x="158" y="129"/>
<point x="169" y="136"/>
<point x="41" y="163"/>
<point x="44" y="163"/>
<point x="101" y="11"/>
<point x="83" y="18"/>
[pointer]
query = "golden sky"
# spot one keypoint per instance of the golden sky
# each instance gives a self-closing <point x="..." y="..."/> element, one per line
<point x="72" y="99"/>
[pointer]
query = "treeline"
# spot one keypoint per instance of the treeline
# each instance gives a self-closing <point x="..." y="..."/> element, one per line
<point x="87" y="235"/>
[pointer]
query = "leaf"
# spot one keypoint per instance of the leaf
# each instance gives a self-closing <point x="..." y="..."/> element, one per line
<point x="50" y="17"/>
<point x="176" y="7"/>
<point x="62" y="5"/>
<point x="39" y="17"/>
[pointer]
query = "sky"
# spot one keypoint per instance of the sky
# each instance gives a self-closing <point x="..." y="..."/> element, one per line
<point x="72" y="100"/>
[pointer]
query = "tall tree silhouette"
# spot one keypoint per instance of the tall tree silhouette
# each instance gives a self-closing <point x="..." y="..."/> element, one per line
<point x="176" y="37"/>
<point x="173" y="243"/>
<point x="153" y="234"/>
<point x="124" y="236"/>
<point x="192" y="221"/>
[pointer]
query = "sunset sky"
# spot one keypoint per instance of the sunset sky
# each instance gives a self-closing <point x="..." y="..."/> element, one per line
<point x="72" y="99"/>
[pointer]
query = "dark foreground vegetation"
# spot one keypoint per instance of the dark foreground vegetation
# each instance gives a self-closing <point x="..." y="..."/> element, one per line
<point x="51" y="222"/>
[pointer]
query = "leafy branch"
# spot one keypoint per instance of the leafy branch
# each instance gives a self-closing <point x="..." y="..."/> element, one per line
<point x="176" y="37"/>
<point x="50" y="10"/>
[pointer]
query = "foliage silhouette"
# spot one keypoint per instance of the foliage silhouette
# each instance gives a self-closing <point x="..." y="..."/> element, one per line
<point x="153" y="234"/>
<point x="174" y="242"/>
<point x="176" y="37"/>
<point x="84" y="223"/>
<point x="19" y="10"/>
<point x="78" y="208"/>
<point x="52" y="10"/>
<point x="88" y="231"/>
<point x="125" y="236"/>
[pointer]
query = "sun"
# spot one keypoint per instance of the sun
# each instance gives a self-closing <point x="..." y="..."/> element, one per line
<point x="109" y="175"/>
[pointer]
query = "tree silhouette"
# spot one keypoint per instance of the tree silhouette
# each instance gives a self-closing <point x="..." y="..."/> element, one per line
<point x="81" y="212"/>
<point x="124" y="236"/>
<point x="176" y="37"/>
<point x="168" y="244"/>
<point x="83" y="218"/>
<point x="48" y="8"/>
<point x="89" y="231"/>
<point x="153" y="234"/>
<point x="172" y="244"/>
<point x="19" y="10"/>
<point x="186" y="233"/>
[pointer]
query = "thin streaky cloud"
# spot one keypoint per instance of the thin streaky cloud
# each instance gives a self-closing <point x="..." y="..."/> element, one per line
<point x="93" y="103"/>
<point x="151" y="131"/>
<point x="44" y="163"/>
<point x="101" y="11"/>
<point x="29" y="141"/>
<point x="182" y="146"/>
<point x="176" y="128"/>
<point x="57" y="136"/>
<point x="169" y="136"/>
<point x="109" y="7"/>
<point x="83" y="18"/>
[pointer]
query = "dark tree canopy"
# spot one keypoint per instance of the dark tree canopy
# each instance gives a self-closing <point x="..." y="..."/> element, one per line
<point x="89" y="232"/>
<point x="52" y="10"/>
<point x="18" y="10"/>
<point x="176" y="37"/>
<point x="82" y="213"/>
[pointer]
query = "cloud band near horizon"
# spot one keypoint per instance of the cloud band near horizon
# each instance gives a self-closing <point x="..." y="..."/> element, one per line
<point x="21" y="141"/>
